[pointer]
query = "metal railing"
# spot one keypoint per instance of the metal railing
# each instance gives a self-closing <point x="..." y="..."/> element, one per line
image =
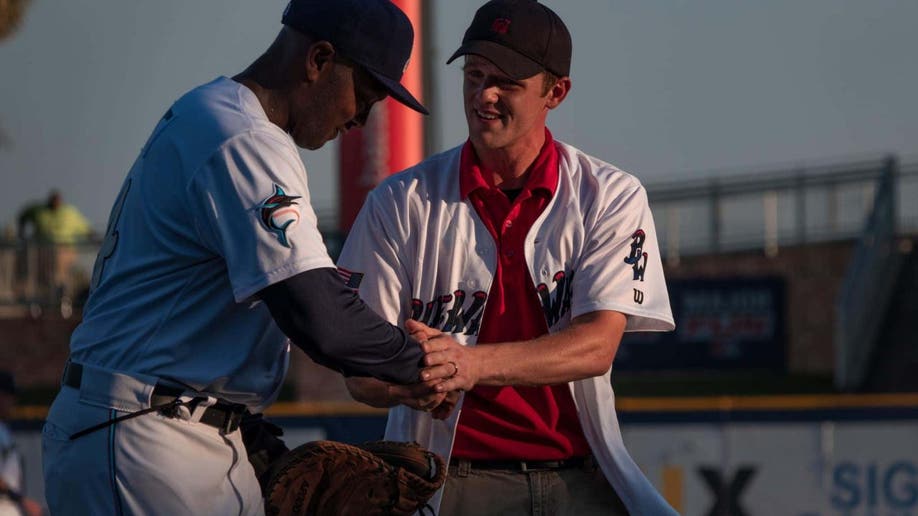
<point x="773" y="209"/>
<point x="38" y="277"/>
<point x="45" y="278"/>
<point x="751" y="211"/>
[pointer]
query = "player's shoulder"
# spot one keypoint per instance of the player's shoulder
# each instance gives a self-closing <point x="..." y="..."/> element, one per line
<point x="216" y="115"/>
<point x="591" y="174"/>
<point x="224" y="109"/>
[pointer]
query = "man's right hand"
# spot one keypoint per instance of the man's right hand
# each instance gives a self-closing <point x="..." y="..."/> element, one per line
<point x="445" y="408"/>
<point x="419" y="396"/>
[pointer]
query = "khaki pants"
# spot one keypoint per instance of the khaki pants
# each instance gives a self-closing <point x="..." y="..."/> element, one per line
<point x="580" y="491"/>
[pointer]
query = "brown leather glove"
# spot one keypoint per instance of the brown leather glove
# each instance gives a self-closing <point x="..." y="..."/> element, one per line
<point x="375" y="478"/>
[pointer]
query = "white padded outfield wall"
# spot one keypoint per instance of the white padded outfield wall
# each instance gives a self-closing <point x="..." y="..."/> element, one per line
<point x="737" y="456"/>
<point x="782" y="456"/>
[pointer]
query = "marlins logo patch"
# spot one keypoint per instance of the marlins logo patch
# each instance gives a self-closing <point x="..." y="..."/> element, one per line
<point x="279" y="212"/>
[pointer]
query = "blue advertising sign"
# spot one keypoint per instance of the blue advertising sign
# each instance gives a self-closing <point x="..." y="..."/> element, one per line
<point x="736" y="323"/>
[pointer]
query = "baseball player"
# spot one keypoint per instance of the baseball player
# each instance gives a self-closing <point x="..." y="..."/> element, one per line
<point x="521" y="261"/>
<point x="12" y="499"/>
<point x="211" y="256"/>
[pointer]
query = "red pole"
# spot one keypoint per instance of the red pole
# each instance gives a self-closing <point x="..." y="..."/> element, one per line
<point x="392" y="139"/>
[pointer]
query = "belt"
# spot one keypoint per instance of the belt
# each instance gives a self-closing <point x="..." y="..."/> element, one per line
<point x="526" y="465"/>
<point x="222" y="415"/>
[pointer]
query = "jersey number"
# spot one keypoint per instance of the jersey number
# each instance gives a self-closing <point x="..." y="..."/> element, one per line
<point x="111" y="236"/>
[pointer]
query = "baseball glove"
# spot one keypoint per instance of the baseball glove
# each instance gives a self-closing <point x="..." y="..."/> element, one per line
<point x="332" y="478"/>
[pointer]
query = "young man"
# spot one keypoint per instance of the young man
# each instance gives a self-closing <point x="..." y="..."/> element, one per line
<point x="526" y="259"/>
<point x="211" y="256"/>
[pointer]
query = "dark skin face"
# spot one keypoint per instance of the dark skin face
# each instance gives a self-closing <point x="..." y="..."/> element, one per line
<point x="310" y="90"/>
<point x="338" y="100"/>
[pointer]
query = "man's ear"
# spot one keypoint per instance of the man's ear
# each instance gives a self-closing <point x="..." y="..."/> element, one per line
<point x="319" y="58"/>
<point x="558" y="92"/>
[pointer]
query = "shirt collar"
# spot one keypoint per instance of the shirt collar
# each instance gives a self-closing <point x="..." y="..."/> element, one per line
<point x="543" y="175"/>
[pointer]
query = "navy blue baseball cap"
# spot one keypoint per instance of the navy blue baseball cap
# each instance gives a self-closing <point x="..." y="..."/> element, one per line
<point x="521" y="37"/>
<point x="375" y="34"/>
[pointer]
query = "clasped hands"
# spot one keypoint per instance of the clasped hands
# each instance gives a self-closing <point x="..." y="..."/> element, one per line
<point x="449" y="370"/>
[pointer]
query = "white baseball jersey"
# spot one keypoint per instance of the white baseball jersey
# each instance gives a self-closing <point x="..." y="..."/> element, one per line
<point x="215" y="208"/>
<point x="425" y="254"/>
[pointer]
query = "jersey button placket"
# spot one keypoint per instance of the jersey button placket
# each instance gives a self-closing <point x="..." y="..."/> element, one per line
<point x="508" y="238"/>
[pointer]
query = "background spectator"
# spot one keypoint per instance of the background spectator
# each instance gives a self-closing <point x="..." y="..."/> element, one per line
<point x="51" y="230"/>
<point x="53" y="222"/>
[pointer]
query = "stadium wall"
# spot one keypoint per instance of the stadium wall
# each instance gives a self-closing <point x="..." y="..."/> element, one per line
<point x="791" y="455"/>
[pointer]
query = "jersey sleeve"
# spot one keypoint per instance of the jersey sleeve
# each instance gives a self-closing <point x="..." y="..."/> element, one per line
<point x="370" y="260"/>
<point x="250" y="204"/>
<point x="621" y="268"/>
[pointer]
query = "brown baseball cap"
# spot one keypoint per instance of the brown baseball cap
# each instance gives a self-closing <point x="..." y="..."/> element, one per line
<point x="521" y="37"/>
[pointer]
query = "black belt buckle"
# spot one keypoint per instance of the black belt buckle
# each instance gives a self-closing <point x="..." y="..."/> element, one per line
<point x="543" y="465"/>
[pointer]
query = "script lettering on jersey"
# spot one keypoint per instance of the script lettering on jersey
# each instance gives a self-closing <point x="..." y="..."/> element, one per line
<point x="556" y="304"/>
<point x="637" y="253"/>
<point x="451" y="313"/>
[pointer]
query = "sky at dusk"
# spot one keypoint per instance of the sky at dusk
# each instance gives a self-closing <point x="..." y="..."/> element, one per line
<point x="665" y="89"/>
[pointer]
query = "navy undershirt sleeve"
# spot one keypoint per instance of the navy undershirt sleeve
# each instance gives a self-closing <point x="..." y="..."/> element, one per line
<point x="328" y="321"/>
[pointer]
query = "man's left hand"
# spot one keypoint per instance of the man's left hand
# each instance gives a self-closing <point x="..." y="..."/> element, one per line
<point x="455" y="365"/>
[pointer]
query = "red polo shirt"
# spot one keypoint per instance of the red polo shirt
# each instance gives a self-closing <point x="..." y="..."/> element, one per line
<point x="525" y="423"/>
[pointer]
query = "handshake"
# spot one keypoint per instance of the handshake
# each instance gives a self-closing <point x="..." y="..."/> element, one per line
<point x="449" y="368"/>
